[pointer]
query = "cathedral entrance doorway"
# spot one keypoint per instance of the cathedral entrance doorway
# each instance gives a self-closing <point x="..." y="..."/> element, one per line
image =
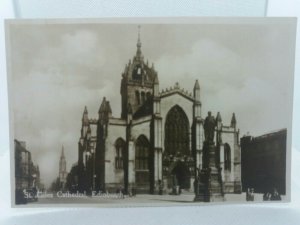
<point x="181" y="176"/>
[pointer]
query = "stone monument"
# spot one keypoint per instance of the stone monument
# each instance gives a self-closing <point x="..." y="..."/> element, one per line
<point x="208" y="182"/>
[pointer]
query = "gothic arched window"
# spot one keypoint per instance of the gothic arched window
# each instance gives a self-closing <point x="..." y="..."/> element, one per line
<point x="120" y="148"/>
<point x="227" y="157"/>
<point x="142" y="154"/>
<point x="142" y="151"/>
<point x="177" y="132"/>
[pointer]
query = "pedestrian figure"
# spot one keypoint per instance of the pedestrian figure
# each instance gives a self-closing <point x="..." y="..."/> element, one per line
<point x="267" y="196"/>
<point x="250" y="194"/>
<point x="133" y="192"/>
<point x="121" y="192"/>
<point x="174" y="188"/>
<point x="160" y="187"/>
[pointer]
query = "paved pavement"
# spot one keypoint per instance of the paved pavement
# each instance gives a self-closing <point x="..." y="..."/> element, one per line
<point x="112" y="199"/>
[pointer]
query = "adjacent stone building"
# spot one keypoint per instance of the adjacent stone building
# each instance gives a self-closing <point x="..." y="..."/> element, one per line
<point x="264" y="162"/>
<point x="27" y="175"/>
<point x="156" y="142"/>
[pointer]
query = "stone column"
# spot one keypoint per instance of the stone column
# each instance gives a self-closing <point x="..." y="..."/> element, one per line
<point x="209" y="181"/>
<point x="131" y="166"/>
<point x="222" y="161"/>
<point x="157" y="147"/>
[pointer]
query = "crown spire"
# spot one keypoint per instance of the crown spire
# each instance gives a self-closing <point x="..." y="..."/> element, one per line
<point x="139" y="43"/>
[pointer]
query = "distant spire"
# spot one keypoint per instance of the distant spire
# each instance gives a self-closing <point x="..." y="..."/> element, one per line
<point x="139" y="43"/>
<point x="85" y="119"/>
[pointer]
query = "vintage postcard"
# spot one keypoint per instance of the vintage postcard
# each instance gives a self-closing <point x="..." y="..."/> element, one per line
<point x="136" y="112"/>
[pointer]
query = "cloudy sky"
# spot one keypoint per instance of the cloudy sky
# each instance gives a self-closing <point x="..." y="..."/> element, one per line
<point x="57" y="69"/>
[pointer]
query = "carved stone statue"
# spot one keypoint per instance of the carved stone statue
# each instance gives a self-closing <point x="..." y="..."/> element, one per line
<point x="209" y="127"/>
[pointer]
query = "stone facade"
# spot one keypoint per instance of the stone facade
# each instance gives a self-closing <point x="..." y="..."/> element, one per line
<point x="27" y="175"/>
<point x="157" y="143"/>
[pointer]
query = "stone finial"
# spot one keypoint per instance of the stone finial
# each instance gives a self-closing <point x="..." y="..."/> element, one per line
<point x="233" y="120"/>
<point x="196" y="86"/>
<point x="156" y="79"/>
<point x="85" y="110"/>
<point x="219" y="118"/>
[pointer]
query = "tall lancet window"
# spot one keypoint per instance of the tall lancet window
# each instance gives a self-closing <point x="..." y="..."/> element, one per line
<point x="177" y="132"/>
<point x="142" y="150"/>
<point x="227" y="157"/>
<point x="120" y="148"/>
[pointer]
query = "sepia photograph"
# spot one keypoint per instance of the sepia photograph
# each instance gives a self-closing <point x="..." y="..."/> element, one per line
<point x="150" y="112"/>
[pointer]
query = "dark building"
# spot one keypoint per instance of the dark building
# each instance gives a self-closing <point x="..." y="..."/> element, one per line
<point x="72" y="179"/>
<point x="263" y="162"/>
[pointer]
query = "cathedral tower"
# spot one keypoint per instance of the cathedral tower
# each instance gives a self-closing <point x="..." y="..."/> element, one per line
<point x="137" y="84"/>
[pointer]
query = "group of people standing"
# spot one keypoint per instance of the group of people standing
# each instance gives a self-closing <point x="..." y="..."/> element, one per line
<point x="268" y="196"/>
<point x="273" y="196"/>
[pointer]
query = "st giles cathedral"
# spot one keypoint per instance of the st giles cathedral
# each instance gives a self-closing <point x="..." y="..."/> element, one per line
<point x="158" y="142"/>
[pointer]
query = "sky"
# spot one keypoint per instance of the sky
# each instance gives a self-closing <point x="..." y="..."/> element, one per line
<point x="58" y="68"/>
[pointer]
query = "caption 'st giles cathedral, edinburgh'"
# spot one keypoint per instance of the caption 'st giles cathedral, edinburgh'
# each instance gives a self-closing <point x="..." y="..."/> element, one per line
<point x="158" y="143"/>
